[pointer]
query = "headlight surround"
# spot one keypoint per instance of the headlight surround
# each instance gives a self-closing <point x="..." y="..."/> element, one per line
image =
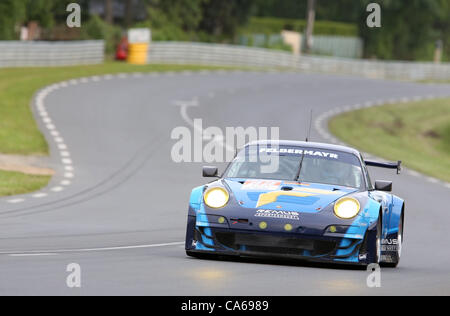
<point x="216" y="197"/>
<point x="347" y="208"/>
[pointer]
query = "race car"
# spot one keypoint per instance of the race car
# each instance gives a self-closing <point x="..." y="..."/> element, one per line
<point x="301" y="200"/>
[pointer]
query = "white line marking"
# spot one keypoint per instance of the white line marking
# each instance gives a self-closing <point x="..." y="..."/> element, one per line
<point x="414" y="173"/>
<point x="57" y="189"/>
<point x="432" y="180"/>
<point x="183" y="112"/>
<point x="39" y="195"/>
<point x="31" y="254"/>
<point x="52" y="252"/>
<point x="15" y="201"/>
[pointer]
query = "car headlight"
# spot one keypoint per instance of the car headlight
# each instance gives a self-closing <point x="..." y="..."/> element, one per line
<point x="216" y="197"/>
<point x="347" y="208"/>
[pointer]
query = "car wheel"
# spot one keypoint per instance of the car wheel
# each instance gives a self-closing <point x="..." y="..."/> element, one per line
<point x="377" y="256"/>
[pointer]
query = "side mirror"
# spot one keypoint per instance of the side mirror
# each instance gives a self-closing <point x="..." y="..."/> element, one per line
<point x="210" y="172"/>
<point x="383" y="186"/>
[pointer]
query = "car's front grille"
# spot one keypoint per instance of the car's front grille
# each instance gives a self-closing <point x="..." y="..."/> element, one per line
<point x="267" y="243"/>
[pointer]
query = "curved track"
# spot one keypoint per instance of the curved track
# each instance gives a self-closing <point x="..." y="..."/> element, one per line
<point x="121" y="211"/>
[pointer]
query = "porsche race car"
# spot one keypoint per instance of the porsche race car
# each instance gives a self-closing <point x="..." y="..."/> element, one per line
<point x="301" y="200"/>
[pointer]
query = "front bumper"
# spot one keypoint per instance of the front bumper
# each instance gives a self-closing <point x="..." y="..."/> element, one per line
<point x="323" y="246"/>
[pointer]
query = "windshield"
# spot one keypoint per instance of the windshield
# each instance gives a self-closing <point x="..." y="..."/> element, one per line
<point x="319" y="165"/>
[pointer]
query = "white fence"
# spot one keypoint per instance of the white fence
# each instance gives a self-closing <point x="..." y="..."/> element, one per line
<point x="24" y="54"/>
<point x="229" y="55"/>
<point x="338" y="46"/>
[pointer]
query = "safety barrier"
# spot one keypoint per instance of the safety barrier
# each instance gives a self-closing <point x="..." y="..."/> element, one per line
<point x="241" y="56"/>
<point x="25" y="54"/>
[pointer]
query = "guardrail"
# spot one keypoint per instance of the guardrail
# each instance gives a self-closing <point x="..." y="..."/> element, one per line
<point x="240" y="56"/>
<point x="36" y="54"/>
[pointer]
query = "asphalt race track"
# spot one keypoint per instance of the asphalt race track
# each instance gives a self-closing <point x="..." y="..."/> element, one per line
<point x="119" y="210"/>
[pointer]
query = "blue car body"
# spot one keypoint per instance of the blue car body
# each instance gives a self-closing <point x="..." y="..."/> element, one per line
<point x="297" y="219"/>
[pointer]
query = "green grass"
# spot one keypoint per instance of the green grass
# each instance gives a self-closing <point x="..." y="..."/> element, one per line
<point x="18" y="130"/>
<point x="13" y="183"/>
<point x="417" y="133"/>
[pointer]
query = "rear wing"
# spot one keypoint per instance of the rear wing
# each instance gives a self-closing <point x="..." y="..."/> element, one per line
<point x="389" y="165"/>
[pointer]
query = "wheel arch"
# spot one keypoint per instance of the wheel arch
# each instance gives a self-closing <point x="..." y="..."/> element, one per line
<point x="397" y="213"/>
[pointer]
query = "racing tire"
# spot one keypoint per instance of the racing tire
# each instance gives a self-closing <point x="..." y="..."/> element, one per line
<point x="377" y="248"/>
<point x="398" y="254"/>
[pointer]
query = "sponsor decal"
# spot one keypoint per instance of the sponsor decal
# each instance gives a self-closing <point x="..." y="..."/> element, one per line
<point x="390" y="244"/>
<point x="291" y="215"/>
<point x="261" y="185"/>
<point x="271" y="197"/>
<point x="297" y="151"/>
<point x="363" y="256"/>
<point x="389" y="241"/>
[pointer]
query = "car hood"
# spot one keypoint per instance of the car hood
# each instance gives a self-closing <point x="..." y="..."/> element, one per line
<point x="285" y="195"/>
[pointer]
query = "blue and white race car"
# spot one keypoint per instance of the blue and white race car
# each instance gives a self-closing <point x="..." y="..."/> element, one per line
<point x="291" y="199"/>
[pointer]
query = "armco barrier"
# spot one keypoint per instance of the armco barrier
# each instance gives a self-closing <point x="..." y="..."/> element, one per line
<point x="35" y="54"/>
<point x="230" y="55"/>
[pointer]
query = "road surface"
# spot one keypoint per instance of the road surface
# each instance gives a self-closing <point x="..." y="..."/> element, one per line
<point x="117" y="206"/>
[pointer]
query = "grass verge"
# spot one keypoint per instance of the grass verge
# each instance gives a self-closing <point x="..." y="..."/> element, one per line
<point x="417" y="133"/>
<point x="13" y="183"/>
<point x="18" y="130"/>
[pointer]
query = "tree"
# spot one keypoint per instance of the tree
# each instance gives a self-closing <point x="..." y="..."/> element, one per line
<point x="224" y="17"/>
<point x="41" y="11"/>
<point x="12" y="14"/>
<point x="310" y="18"/>
<point x="128" y="12"/>
<point x="291" y="9"/>
<point x="109" y="17"/>
<point x="408" y="30"/>
<point x="184" y="14"/>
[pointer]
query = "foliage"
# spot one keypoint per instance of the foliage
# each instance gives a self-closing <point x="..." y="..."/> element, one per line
<point x="276" y="25"/>
<point x="96" y="28"/>
<point x="12" y="13"/>
<point x="224" y="17"/>
<point x="408" y="30"/>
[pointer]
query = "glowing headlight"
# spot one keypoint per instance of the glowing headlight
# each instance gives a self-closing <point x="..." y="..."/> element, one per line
<point x="347" y="208"/>
<point x="216" y="197"/>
